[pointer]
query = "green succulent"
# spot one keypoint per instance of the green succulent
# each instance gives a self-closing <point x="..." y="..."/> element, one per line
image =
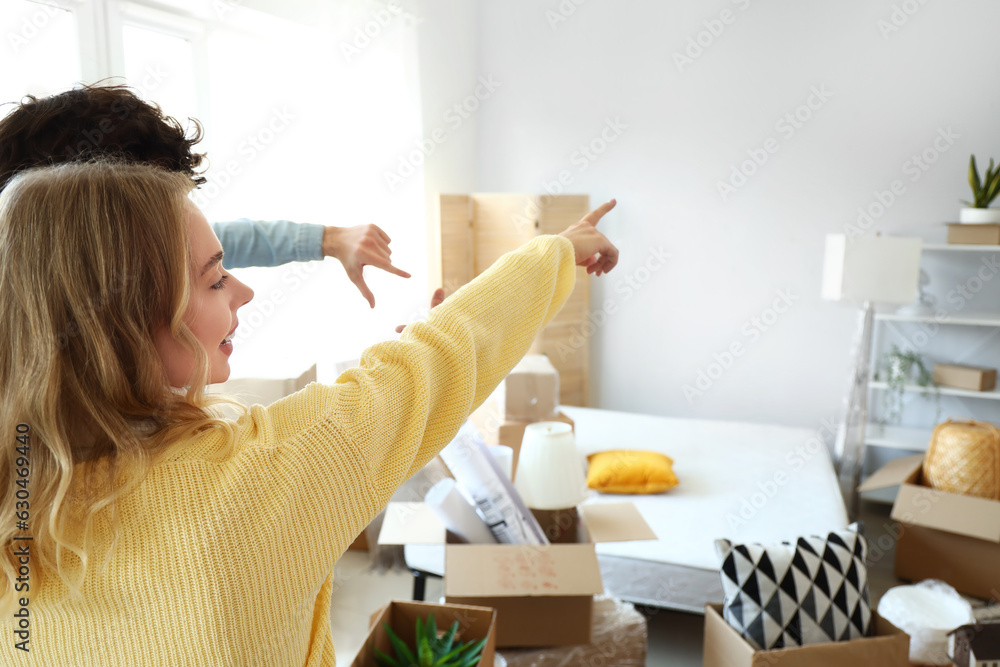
<point x="986" y="190"/>
<point x="431" y="650"/>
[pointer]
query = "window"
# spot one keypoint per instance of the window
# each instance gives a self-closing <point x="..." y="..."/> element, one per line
<point x="301" y="122"/>
<point x="41" y="53"/>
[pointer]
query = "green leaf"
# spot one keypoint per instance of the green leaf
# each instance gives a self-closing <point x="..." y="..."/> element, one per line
<point x="399" y="646"/>
<point x="383" y="660"/>
<point x="473" y="653"/>
<point x="453" y="653"/>
<point x="425" y="652"/>
<point x="974" y="178"/>
<point x="444" y="647"/>
<point x="432" y="632"/>
<point x="991" y="186"/>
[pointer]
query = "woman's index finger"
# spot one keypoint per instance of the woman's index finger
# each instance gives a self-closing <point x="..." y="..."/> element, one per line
<point x="595" y="216"/>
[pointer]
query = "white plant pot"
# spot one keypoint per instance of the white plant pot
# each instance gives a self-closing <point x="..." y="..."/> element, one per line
<point x="979" y="216"/>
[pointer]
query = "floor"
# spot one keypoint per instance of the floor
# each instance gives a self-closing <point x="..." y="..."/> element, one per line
<point x="674" y="638"/>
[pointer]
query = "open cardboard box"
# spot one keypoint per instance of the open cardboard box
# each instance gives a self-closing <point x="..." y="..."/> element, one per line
<point x="474" y="623"/>
<point x="724" y="647"/>
<point x="543" y="595"/>
<point x="943" y="535"/>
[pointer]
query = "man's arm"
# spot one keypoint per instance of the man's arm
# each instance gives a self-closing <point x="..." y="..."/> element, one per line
<point x="255" y="243"/>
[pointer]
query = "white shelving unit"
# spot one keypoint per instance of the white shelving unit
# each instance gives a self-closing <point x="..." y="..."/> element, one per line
<point x="898" y="440"/>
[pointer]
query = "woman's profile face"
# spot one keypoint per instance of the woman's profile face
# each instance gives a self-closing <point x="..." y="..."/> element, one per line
<point x="215" y="297"/>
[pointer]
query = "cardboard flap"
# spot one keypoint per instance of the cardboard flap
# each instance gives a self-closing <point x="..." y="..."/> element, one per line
<point x="898" y="471"/>
<point x="411" y="523"/>
<point x="504" y="570"/>
<point x="615" y="522"/>
<point x="950" y="512"/>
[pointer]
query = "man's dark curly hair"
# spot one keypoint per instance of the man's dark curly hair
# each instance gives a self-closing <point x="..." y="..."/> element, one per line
<point x="94" y="121"/>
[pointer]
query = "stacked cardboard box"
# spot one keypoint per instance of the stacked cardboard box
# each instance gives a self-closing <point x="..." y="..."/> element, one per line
<point x="619" y="638"/>
<point x="947" y="536"/>
<point x="529" y="586"/>
<point x="529" y="394"/>
<point x="888" y="646"/>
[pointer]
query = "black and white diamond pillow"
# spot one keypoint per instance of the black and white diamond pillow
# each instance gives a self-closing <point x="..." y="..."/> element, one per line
<point x="783" y="595"/>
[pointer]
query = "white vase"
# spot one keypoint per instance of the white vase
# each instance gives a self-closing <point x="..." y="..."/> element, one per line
<point x="549" y="472"/>
<point x="979" y="216"/>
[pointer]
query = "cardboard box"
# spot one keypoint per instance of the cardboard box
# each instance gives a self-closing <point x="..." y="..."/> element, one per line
<point x="724" y="647"/>
<point x="529" y="586"/>
<point x="530" y="392"/>
<point x="474" y="623"/>
<point x="965" y="234"/>
<point x="360" y="543"/>
<point x="620" y="640"/>
<point x="973" y="378"/>
<point x="943" y="535"/>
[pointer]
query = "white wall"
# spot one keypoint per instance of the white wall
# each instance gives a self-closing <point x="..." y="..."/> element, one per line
<point x="684" y="129"/>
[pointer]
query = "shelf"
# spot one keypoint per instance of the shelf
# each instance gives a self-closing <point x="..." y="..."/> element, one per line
<point x="897" y="437"/>
<point x="970" y="319"/>
<point x="961" y="247"/>
<point x="944" y="391"/>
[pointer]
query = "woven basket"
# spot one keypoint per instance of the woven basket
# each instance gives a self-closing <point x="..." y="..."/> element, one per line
<point x="964" y="457"/>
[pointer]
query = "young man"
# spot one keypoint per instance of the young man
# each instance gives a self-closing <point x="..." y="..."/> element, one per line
<point x="92" y="121"/>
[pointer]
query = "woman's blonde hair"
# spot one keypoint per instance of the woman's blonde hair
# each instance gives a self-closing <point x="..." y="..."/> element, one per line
<point x="94" y="259"/>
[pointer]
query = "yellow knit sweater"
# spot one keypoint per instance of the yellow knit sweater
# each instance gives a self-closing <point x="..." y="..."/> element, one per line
<point x="230" y="562"/>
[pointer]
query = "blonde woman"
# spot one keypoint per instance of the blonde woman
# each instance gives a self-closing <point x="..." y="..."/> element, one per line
<point x="140" y="529"/>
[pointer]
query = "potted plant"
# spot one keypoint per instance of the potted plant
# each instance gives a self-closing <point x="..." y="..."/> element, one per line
<point x="405" y="634"/>
<point x="899" y="367"/>
<point x="430" y="650"/>
<point x="983" y="192"/>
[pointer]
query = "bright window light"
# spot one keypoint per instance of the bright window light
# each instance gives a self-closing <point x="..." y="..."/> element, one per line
<point x="161" y="67"/>
<point x="40" y="54"/>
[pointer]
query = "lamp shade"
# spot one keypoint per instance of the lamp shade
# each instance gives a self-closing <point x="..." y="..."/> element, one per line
<point x="880" y="269"/>
<point x="549" y="472"/>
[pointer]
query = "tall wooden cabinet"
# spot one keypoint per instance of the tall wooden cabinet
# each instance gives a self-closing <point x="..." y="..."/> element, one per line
<point x="474" y="230"/>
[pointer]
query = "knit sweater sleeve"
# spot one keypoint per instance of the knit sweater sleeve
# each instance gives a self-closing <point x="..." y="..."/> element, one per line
<point x="342" y="450"/>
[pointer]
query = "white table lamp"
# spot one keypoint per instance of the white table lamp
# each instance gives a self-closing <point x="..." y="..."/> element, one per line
<point x="868" y="270"/>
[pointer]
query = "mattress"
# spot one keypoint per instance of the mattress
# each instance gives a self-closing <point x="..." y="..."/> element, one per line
<point x="742" y="481"/>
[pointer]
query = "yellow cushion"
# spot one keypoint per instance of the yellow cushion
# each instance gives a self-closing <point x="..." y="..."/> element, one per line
<point x="626" y="471"/>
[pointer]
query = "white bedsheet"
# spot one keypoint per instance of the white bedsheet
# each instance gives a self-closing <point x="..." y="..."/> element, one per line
<point x="741" y="481"/>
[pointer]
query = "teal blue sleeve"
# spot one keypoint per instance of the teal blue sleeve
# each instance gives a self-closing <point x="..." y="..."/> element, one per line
<point x="259" y="243"/>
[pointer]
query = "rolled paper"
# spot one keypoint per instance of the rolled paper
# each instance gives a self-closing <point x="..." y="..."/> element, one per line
<point x="504" y="456"/>
<point x="457" y="514"/>
<point x="480" y="479"/>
